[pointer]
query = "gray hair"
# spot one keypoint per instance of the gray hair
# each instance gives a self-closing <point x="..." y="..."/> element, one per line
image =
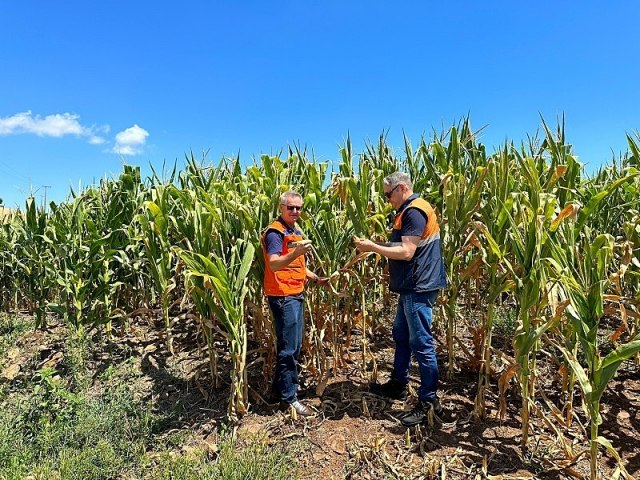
<point x="398" y="177"/>
<point x="288" y="194"/>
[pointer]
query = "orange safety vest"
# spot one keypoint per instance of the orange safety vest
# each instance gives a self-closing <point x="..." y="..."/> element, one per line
<point x="290" y="279"/>
<point x="432" y="226"/>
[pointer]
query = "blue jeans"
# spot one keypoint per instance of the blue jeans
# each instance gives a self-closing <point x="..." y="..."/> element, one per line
<point x="288" y="319"/>
<point x="412" y="334"/>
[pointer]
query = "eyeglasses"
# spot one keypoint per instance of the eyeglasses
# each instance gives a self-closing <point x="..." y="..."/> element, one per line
<point x="294" y="207"/>
<point x="390" y="192"/>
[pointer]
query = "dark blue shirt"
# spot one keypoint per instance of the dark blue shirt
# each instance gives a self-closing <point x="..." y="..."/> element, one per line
<point x="413" y="223"/>
<point x="273" y="240"/>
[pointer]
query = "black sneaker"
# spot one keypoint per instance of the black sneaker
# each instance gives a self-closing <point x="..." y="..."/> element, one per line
<point x="420" y="412"/>
<point x="392" y="389"/>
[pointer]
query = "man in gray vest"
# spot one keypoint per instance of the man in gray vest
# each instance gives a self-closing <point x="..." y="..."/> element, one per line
<point x="416" y="273"/>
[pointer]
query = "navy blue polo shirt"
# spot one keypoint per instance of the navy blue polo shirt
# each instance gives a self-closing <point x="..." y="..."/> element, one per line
<point x="273" y="240"/>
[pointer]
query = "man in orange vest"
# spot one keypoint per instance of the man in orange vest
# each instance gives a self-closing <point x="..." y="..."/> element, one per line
<point x="416" y="272"/>
<point x="285" y="273"/>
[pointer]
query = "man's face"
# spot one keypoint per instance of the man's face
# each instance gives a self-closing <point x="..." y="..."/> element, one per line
<point x="395" y="194"/>
<point x="291" y="209"/>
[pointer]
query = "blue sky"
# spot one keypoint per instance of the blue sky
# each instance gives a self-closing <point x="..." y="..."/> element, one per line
<point x="87" y="86"/>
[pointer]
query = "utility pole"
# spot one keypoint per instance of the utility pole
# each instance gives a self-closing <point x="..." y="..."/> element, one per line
<point x="45" y="196"/>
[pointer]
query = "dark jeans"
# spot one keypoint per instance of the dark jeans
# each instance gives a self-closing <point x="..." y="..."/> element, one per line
<point x="412" y="334"/>
<point x="288" y="319"/>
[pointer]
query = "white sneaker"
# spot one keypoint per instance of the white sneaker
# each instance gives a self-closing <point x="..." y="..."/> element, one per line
<point x="301" y="409"/>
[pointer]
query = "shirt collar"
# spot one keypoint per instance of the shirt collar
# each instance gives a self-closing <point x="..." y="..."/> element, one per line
<point x="407" y="202"/>
<point x="286" y="225"/>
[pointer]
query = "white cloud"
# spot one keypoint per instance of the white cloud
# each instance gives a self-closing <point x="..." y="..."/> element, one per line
<point x="131" y="140"/>
<point x="56" y="125"/>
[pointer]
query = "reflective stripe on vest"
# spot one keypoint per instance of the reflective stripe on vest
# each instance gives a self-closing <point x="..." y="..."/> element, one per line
<point x="290" y="279"/>
<point x="421" y="243"/>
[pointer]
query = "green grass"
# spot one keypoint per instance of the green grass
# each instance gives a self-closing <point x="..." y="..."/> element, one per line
<point x="504" y="321"/>
<point x="56" y="434"/>
<point x="11" y="327"/>
<point x="255" y="461"/>
<point x="71" y="435"/>
<point x="63" y="424"/>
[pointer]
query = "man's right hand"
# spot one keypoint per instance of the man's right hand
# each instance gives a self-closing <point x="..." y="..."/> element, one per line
<point x="302" y="247"/>
<point x="364" y="245"/>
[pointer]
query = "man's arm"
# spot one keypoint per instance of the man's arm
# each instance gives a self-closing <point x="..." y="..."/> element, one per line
<point x="273" y="244"/>
<point x="315" y="278"/>
<point x="405" y="251"/>
<point x="413" y="224"/>
<point x="278" y="262"/>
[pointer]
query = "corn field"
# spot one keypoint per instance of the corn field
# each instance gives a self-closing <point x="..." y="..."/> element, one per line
<point x="525" y="226"/>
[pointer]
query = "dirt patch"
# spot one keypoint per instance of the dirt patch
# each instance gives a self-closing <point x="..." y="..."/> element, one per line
<point x="354" y="434"/>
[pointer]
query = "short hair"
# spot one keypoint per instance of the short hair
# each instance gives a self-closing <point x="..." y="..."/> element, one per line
<point x="288" y="194"/>
<point x="398" y="177"/>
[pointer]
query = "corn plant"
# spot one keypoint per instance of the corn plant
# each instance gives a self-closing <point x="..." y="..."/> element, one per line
<point x="492" y="231"/>
<point x="218" y="287"/>
<point x="367" y="218"/>
<point x="585" y="279"/>
<point x="78" y="243"/>
<point x="35" y="260"/>
<point x="11" y="277"/>
<point x="529" y="230"/>
<point x="155" y="225"/>
<point x="115" y="206"/>
<point x="461" y="187"/>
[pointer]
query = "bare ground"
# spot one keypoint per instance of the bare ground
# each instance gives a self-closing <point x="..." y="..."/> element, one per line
<point x="355" y="434"/>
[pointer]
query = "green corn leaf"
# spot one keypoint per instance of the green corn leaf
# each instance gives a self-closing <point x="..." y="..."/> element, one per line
<point x="581" y="374"/>
<point x="247" y="260"/>
<point x="612" y="361"/>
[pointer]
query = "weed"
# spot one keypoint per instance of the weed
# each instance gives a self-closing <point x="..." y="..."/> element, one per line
<point x="11" y="327"/>
<point x="257" y="461"/>
<point x="76" y="353"/>
<point x="504" y="321"/>
<point x="72" y="434"/>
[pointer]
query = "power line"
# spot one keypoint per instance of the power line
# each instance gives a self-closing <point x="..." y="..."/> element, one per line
<point x="9" y="170"/>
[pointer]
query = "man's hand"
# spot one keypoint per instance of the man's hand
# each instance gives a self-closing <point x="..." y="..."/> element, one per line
<point x="302" y="247"/>
<point x="318" y="280"/>
<point x="364" y="245"/>
<point x="296" y="249"/>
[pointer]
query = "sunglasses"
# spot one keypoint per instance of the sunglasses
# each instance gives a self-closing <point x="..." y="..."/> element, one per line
<point x="294" y="207"/>
<point x="390" y="192"/>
